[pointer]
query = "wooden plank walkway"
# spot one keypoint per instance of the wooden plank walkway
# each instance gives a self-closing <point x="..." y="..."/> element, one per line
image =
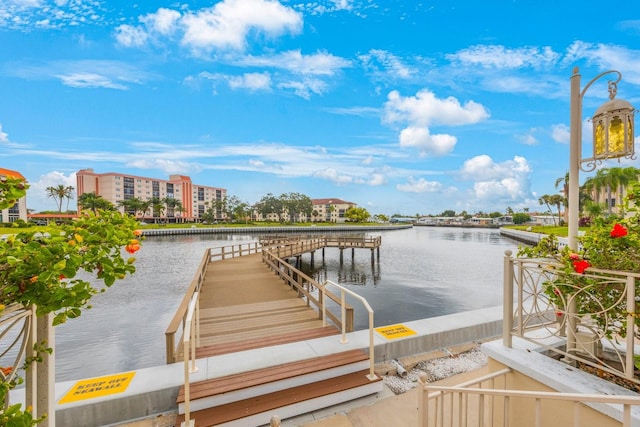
<point x="244" y="305"/>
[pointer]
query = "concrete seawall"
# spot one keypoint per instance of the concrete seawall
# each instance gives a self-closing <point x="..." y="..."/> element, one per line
<point x="529" y="237"/>
<point x="153" y="391"/>
<point x="270" y="230"/>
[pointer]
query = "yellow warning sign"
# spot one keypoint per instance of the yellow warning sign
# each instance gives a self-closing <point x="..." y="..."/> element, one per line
<point x="97" y="387"/>
<point x="395" y="331"/>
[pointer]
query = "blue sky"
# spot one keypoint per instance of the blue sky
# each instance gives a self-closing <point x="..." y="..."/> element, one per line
<point x="399" y="106"/>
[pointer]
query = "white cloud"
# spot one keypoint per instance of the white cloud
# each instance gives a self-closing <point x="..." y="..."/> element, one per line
<point x="224" y="26"/>
<point x="497" y="183"/>
<point x="384" y="64"/>
<point x="607" y="57"/>
<point x="317" y="64"/>
<point x="419" y="186"/>
<point x="164" y="21"/>
<point x="560" y="133"/>
<point x="227" y="24"/>
<point x="89" y="80"/>
<point x="251" y="81"/>
<point x="165" y="165"/>
<point x="496" y="56"/>
<point x="426" y="109"/>
<point x="484" y="168"/>
<point x="435" y="145"/>
<point x="4" y="137"/>
<point x="37" y="198"/>
<point x="130" y="36"/>
<point x="305" y="87"/>
<point x="332" y="175"/>
<point x="377" y="179"/>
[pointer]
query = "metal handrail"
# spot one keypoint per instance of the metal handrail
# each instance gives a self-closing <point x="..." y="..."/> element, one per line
<point x="190" y="341"/>
<point x="343" y="340"/>
<point x="289" y="274"/>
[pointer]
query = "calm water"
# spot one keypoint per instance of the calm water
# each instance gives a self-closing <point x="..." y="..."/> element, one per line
<point x="422" y="272"/>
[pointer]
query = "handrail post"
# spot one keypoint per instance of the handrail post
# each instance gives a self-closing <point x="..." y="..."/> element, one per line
<point x="507" y="323"/>
<point x="343" y="317"/>
<point x="631" y="313"/>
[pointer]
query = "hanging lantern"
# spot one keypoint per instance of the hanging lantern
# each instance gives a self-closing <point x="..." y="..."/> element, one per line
<point x="613" y="128"/>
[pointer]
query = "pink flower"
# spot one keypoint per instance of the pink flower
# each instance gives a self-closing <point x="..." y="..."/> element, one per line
<point x="619" y="231"/>
<point x="574" y="256"/>
<point x="581" y="266"/>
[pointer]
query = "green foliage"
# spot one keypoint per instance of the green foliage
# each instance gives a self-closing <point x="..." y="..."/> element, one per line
<point x="612" y="243"/>
<point x="40" y="266"/>
<point x="11" y="190"/>
<point x="356" y="214"/>
<point x="521" y="218"/>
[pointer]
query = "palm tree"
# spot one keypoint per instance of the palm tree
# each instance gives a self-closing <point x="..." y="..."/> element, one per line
<point x="59" y="193"/>
<point x="564" y="182"/>
<point x="93" y="202"/>
<point x="158" y="207"/>
<point x="551" y="200"/>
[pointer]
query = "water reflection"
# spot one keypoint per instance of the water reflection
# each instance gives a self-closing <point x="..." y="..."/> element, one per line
<point x="421" y="272"/>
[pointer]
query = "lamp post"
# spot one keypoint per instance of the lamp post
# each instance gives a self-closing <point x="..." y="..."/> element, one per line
<point x="612" y="138"/>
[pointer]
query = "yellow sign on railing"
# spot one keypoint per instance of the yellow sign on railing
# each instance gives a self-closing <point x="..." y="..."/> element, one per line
<point x="98" y="387"/>
<point x="395" y="331"/>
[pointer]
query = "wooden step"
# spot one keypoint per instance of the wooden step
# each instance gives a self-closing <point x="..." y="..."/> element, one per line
<point x="244" y="380"/>
<point x="232" y="347"/>
<point x="253" y="308"/>
<point x="274" y="403"/>
<point x="264" y="321"/>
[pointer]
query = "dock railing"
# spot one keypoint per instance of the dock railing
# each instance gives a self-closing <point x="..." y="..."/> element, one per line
<point x="304" y="286"/>
<point x="179" y="319"/>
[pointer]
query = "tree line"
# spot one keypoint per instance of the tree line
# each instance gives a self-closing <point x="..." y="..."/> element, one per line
<point x="288" y="207"/>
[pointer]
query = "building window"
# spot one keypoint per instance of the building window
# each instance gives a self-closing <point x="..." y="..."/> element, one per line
<point x="129" y="189"/>
<point x="155" y="188"/>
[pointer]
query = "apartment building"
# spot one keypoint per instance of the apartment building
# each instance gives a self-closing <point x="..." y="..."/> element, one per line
<point x="330" y="210"/>
<point x="19" y="209"/>
<point x="194" y="199"/>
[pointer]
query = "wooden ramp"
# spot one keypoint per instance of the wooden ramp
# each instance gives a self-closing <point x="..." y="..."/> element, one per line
<point x="245" y="306"/>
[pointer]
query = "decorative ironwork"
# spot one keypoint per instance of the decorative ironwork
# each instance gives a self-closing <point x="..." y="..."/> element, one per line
<point x="569" y="314"/>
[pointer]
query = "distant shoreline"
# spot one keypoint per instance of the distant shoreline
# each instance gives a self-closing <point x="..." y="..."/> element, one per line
<point x="271" y="230"/>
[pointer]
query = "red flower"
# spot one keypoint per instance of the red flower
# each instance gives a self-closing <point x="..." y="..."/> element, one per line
<point x="556" y="291"/>
<point x="574" y="256"/>
<point x="619" y="231"/>
<point x="581" y="266"/>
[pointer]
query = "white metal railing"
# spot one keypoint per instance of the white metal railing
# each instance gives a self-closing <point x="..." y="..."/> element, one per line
<point x="444" y="406"/>
<point x="343" y="340"/>
<point x="190" y="340"/>
<point x="434" y="403"/>
<point x="587" y="325"/>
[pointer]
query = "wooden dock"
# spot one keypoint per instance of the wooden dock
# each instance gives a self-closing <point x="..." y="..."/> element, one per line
<point x="250" y="298"/>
